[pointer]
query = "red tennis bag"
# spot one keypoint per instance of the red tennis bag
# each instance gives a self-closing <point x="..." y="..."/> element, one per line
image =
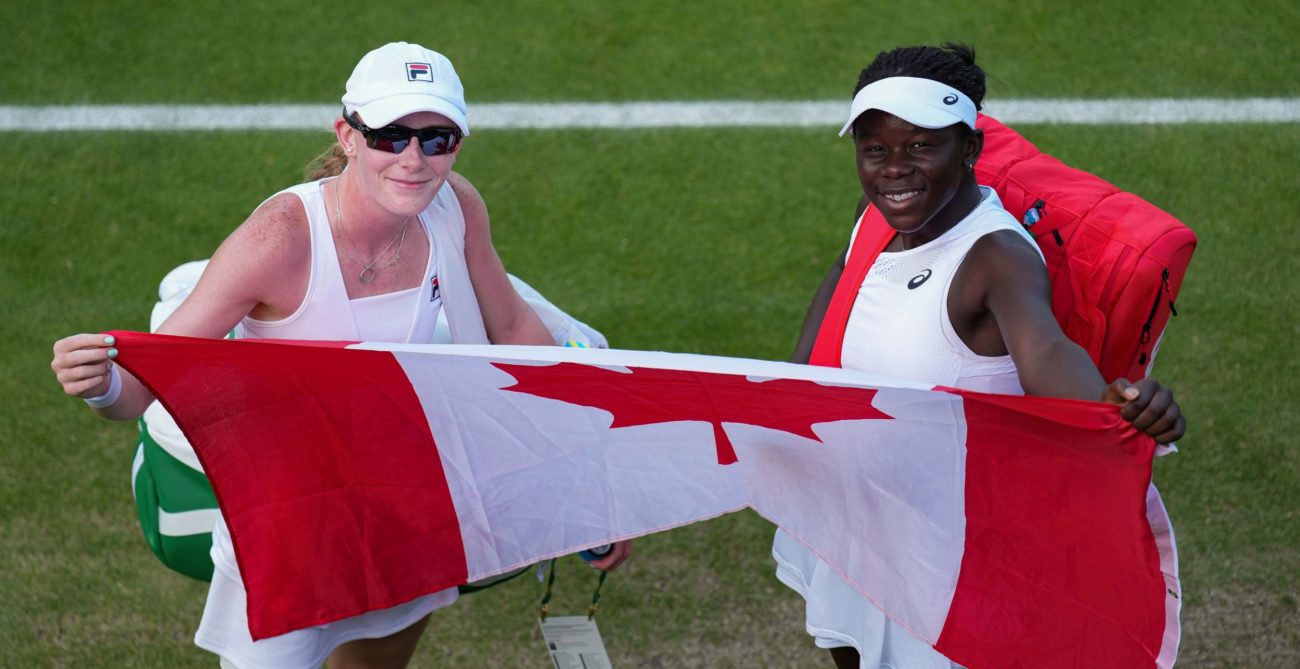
<point x="1116" y="261"/>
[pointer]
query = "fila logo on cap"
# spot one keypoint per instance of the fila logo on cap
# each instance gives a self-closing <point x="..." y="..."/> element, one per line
<point x="419" y="72"/>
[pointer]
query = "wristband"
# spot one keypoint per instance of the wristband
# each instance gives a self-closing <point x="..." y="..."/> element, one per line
<point x="596" y="553"/>
<point x="109" y="398"/>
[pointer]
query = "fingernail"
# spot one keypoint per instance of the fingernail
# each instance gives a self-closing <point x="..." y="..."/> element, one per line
<point x="112" y="353"/>
<point x="110" y="340"/>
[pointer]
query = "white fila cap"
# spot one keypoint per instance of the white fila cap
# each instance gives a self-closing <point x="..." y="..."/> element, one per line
<point x="399" y="79"/>
<point x="922" y="102"/>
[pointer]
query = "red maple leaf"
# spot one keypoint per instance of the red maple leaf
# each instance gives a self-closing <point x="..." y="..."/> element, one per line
<point x="647" y="396"/>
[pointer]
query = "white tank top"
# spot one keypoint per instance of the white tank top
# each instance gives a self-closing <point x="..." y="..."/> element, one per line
<point x="404" y="316"/>
<point x="899" y="323"/>
<point x="326" y="312"/>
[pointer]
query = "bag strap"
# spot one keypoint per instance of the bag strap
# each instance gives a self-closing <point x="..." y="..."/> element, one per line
<point x="873" y="235"/>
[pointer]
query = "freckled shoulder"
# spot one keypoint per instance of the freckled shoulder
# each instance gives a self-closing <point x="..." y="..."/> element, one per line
<point x="261" y="268"/>
<point x="280" y="223"/>
<point x="276" y="231"/>
<point x="273" y="244"/>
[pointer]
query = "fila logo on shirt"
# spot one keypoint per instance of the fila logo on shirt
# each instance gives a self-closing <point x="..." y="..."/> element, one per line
<point x="918" y="280"/>
<point x="419" y="72"/>
<point x="433" y="294"/>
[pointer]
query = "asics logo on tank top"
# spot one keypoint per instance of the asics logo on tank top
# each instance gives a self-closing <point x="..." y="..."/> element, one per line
<point x="918" y="280"/>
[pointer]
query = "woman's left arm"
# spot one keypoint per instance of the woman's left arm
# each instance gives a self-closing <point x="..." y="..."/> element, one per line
<point x="1018" y="295"/>
<point x="1016" y="292"/>
<point x="506" y="316"/>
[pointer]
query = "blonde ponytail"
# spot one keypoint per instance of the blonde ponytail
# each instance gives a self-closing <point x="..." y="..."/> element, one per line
<point x="329" y="163"/>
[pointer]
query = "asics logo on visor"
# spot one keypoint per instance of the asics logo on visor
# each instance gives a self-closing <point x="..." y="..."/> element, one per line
<point x="950" y="100"/>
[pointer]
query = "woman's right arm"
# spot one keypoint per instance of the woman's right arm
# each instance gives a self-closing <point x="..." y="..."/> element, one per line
<point x="1017" y="293"/>
<point x="263" y="265"/>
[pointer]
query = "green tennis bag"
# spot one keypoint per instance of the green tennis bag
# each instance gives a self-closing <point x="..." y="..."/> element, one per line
<point x="172" y="497"/>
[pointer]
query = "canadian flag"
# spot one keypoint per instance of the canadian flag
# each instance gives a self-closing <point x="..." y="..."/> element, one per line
<point x="1005" y="531"/>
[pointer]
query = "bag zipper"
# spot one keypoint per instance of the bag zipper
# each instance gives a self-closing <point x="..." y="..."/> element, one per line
<point x="1151" y="317"/>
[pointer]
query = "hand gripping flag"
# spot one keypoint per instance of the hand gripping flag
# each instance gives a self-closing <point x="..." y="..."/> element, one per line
<point x="1005" y="531"/>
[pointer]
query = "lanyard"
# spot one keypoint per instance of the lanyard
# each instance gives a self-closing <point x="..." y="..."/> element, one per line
<point x="550" y="586"/>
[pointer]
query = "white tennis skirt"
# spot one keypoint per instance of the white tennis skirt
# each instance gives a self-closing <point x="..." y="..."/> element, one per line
<point x="224" y="627"/>
<point x="838" y="616"/>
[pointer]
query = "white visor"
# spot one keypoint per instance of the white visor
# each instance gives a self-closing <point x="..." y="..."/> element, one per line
<point x="921" y="102"/>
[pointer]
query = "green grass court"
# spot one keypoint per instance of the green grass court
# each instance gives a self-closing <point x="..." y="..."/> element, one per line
<point x="682" y="240"/>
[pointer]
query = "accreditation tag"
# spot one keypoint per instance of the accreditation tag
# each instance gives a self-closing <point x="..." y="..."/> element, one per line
<point x="574" y="642"/>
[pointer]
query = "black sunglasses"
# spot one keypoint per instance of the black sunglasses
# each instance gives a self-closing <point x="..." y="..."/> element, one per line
<point x="394" y="138"/>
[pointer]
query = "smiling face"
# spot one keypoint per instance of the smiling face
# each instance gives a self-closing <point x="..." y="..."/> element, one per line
<point x="917" y="177"/>
<point x="402" y="184"/>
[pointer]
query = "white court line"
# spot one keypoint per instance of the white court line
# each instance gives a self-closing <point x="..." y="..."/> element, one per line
<point x="738" y="113"/>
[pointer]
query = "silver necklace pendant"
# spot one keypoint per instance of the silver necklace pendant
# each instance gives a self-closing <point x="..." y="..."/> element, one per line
<point x="367" y="275"/>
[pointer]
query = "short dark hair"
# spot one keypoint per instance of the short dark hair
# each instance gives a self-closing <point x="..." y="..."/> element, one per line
<point x="952" y="64"/>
